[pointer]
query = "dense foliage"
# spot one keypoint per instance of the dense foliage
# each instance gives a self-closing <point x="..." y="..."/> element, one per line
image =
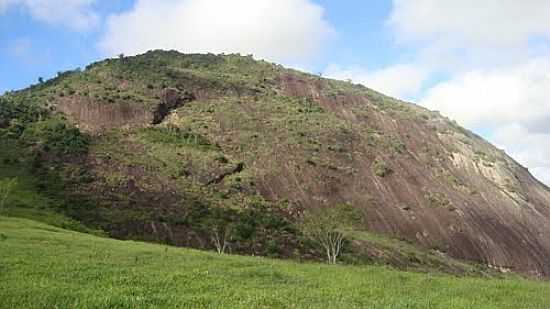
<point x="56" y="136"/>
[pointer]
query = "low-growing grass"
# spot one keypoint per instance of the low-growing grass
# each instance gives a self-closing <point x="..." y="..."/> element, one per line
<point x="46" y="267"/>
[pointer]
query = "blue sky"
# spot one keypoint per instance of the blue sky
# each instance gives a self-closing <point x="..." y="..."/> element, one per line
<point x="32" y="48"/>
<point x="484" y="64"/>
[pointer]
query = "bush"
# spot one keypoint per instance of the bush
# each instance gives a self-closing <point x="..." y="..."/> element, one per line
<point x="176" y="136"/>
<point x="256" y="225"/>
<point x="54" y="135"/>
<point x="23" y="112"/>
<point x="381" y="169"/>
<point x="438" y="200"/>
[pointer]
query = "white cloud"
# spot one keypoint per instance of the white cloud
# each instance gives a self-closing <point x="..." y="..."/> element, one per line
<point x="21" y="48"/>
<point x="496" y="53"/>
<point x="402" y="81"/>
<point x="490" y="98"/>
<point x="504" y="23"/>
<point x="531" y="149"/>
<point x="281" y="30"/>
<point x="512" y="103"/>
<point x="542" y="174"/>
<point x="76" y="14"/>
<point x="4" y="5"/>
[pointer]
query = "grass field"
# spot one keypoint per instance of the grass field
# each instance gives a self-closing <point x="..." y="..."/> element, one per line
<point x="47" y="267"/>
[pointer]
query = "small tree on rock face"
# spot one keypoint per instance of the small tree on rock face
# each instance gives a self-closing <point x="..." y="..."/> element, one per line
<point x="329" y="227"/>
<point x="6" y="187"/>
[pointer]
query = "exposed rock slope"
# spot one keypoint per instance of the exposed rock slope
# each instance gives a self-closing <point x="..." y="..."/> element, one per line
<point x="226" y="130"/>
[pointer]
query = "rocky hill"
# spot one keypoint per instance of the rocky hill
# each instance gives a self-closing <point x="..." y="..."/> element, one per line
<point x="152" y="147"/>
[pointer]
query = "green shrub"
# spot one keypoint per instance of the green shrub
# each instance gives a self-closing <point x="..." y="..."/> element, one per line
<point x="397" y="145"/>
<point x="438" y="200"/>
<point x="54" y="135"/>
<point x="381" y="168"/>
<point x="175" y="136"/>
<point x="23" y="111"/>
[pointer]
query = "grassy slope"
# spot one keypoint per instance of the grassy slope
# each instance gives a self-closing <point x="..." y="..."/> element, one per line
<point x="45" y="267"/>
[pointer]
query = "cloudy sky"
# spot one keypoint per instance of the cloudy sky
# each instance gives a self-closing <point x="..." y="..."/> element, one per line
<point x="484" y="63"/>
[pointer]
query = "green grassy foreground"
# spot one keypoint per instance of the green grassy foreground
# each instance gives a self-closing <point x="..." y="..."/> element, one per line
<point x="47" y="267"/>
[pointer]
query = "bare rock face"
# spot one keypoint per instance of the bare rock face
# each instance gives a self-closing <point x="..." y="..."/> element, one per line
<point x="171" y="99"/>
<point x="95" y="117"/>
<point x="91" y="116"/>
<point x="449" y="190"/>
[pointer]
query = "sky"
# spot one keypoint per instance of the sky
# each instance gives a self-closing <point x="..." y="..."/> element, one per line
<point x="485" y="64"/>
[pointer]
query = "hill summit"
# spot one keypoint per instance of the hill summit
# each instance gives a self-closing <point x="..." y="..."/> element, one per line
<point x="154" y="146"/>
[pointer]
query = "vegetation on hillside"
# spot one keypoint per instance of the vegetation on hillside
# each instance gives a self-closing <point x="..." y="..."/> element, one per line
<point x="6" y="188"/>
<point x="226" y="153"/>
<point x="36" y="149"/>
<point x="331" y="227"/>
